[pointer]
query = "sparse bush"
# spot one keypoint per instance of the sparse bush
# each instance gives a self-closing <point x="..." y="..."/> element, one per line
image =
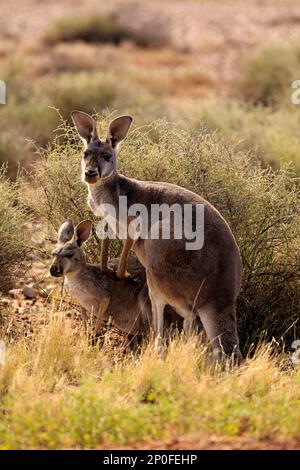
<point x="261" y="206"/>
<point x="12" y="72"/>
<point x="267" y="76"/>
<point x="14" y="150"/>
<point x="80" y="56"/>
<point x="33" y="119"/>
<point x="88" y="28"/>
<point x="28" y="114"/>
<point x="151" y="29"/>
<point x="273" y="133"/>
<point x="12" y="233"/>
<point x="279" y="137"/>
<point x="87" y="90"/>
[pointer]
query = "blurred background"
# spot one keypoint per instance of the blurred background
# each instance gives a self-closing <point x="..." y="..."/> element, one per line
<point x="227" y="64"/>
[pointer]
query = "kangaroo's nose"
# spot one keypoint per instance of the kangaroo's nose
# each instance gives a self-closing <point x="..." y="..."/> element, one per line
<point x="91" y="173"/>
<point x="55" y="270"/>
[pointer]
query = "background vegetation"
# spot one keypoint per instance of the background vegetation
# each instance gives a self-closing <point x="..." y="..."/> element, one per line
<point x="12" y="233"/>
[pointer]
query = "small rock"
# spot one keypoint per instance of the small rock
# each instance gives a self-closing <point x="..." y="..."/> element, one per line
<point x="29" y="292"/>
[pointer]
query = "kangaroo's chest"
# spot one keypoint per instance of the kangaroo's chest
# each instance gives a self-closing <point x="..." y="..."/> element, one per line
<point x="85" y="299"/>
<point x="109" y="215"/>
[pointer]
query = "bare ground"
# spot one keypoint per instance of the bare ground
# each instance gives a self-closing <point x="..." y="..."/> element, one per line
<point x="217" y="34"/>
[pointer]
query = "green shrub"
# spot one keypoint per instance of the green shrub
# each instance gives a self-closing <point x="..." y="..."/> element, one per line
<point x="87" y="90"/>
<point x="33" y="119"/>
<point x="272" y="132"/>
<point x="88" y="28"/>
<point x="12" y="233"/>
<point x="14" y="150"/>
<point x="267" y="76"/>
<point x="110" y="28"/>
<point x="261" y="206"/>
<point x="28" y="113"/>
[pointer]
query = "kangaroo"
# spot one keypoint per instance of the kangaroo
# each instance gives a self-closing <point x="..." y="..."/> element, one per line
<point x="204" y="282"/>
<point x="126" y="304"/>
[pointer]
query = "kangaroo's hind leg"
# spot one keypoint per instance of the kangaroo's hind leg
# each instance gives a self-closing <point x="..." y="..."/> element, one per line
<point x="157" y="306"/>
<point x="221" y="329"/>
<point x="189" y="325"/>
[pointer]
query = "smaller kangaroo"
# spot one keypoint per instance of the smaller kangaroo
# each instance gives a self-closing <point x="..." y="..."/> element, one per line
<point x="126" y="304"/>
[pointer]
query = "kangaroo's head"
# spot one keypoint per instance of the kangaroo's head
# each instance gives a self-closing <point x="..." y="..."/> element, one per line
<point x="68" y="256"/>
<point x="99" y="156"/>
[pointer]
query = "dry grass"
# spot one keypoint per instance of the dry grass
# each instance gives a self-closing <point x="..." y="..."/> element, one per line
<point x="57" y="391"/>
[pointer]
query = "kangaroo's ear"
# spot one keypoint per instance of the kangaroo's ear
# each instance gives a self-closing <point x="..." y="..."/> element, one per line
<point x="66" y="231"/>
<point x="118" y="129"/>
<point x="83" y="231"/>
<point x="85" y="125"/>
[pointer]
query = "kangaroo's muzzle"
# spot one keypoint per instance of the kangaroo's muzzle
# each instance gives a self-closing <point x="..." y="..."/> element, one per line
<point x="56" y="271"/>
<point x="91" y="176"/>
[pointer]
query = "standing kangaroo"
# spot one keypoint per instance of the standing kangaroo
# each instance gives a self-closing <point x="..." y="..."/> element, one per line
<point x="126" y="304"/>
<point x="204" y="282"/>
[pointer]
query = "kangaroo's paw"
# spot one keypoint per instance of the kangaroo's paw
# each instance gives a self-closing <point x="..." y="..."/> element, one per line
<point x="123" y="275"/>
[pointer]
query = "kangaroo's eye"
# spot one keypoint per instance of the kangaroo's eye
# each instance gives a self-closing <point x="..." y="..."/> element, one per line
<point x="107" y="157"/>
<point x="69" y="255"/>
<point x="85" y="154"/>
